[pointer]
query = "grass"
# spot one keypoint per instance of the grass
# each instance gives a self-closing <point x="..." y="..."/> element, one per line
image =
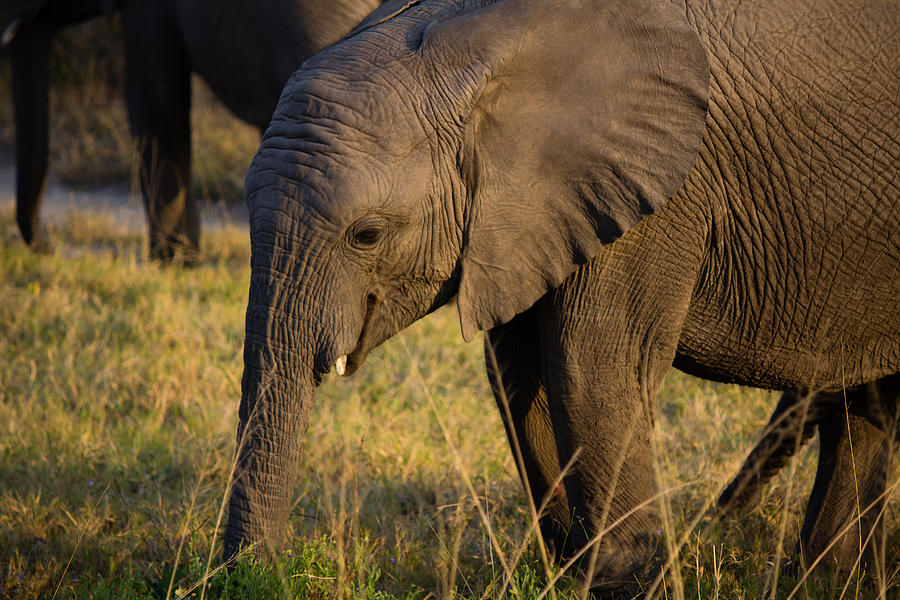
<point x="119" y="385"/>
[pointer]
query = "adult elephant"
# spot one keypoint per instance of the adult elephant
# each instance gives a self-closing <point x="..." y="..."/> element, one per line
<point x="509" y="154"/>
<point x="245" y="51"/>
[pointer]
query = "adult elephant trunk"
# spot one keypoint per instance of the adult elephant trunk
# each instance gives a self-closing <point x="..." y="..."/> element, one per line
<point x="30" y="59"/>
<point x="277" y="393"/>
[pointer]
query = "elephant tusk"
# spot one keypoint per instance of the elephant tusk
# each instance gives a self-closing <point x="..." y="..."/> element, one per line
<point x="340" y="366"/>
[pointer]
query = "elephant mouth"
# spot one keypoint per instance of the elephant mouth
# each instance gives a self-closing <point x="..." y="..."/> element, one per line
<point x="357" y="356"/>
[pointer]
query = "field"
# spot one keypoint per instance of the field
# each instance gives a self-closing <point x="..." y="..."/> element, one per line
<point x="119" y="387"/>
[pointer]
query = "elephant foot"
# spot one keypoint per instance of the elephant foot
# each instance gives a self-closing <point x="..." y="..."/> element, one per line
<point x="174" y="229"/>
<point x="174" y="250"/>
<point x="41" y="244"/>
<point x="555" y="524"/>
<point x="626" y="571"/>
<point x="844" y="554"/>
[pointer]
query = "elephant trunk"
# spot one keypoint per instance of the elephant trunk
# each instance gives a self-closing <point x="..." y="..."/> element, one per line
<point x="30" y="60"/>
<point x="277" y="393"/>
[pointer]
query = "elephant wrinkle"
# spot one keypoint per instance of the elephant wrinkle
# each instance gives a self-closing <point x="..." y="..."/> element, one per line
<point x="606" y="190"/>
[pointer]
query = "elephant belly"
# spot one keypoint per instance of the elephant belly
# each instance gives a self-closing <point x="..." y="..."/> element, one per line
<point x="797" y="301"/>
<point x="796" y="176"/>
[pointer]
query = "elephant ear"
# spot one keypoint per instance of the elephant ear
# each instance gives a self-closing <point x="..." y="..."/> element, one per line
<point x="581" y="118"/>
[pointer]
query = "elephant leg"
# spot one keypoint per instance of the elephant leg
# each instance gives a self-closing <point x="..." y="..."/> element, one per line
<point x="844" y="515"/>
<point x="791" y="425"/>
<point x="30" y="60"/>
<point x="513" y="358"/>
<point x="158" y="96"/>
<point x="608" y="335"/>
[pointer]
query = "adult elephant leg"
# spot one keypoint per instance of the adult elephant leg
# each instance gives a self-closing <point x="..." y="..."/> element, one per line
<point x="844" y="516"/>
<point x="513" y="357"/>
<point x="158" y="95"/>
<point x="30" y="60"/>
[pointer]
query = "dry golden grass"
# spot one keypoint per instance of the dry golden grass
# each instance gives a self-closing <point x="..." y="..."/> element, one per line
<point x="119" y="384"/>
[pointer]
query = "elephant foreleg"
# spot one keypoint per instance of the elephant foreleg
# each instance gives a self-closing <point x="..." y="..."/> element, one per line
<point x="601" y="388"/>
<point x="513" y="357"/>
<point x="158" y="95"/>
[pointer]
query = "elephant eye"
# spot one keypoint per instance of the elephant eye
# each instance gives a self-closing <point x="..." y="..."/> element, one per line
<point x="366" y="233"/>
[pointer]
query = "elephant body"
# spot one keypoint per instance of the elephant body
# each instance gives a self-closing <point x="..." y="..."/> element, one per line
<point x="515" y="169"/>
<point x="244" y="51"/>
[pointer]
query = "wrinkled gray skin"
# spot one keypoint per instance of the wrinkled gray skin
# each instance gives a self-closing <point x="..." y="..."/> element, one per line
<point x="510" y="154"/>
<point x="245" y="51"/>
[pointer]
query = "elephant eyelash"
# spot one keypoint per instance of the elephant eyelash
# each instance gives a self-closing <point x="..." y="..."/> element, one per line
<point x="366" y="235"/>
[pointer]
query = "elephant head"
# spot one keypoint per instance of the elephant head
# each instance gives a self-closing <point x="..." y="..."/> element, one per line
<point x="475" y="149"/>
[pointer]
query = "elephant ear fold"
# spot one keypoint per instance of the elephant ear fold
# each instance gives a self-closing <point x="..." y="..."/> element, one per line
<point x="581" y="118"/>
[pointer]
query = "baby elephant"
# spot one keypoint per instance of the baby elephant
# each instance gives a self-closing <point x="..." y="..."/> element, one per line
<point x="606" y="188"/>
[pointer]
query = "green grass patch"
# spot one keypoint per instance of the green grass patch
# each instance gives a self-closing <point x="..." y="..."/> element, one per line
<point x="119" y="388"/>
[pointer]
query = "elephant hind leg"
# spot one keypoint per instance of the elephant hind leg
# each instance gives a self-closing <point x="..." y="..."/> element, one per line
<point x="513" y="357"/>
<point x="30" y="60"/>
<point x="844" y="518"/>
<point x="158" y="95"/>
<point x="791" y="425"/>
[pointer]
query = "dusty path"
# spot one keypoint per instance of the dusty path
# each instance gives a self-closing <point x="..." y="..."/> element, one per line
<point x="116" y="201"/>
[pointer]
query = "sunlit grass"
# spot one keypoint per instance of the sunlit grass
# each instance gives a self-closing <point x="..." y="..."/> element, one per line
<point x="119" y="385"/>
